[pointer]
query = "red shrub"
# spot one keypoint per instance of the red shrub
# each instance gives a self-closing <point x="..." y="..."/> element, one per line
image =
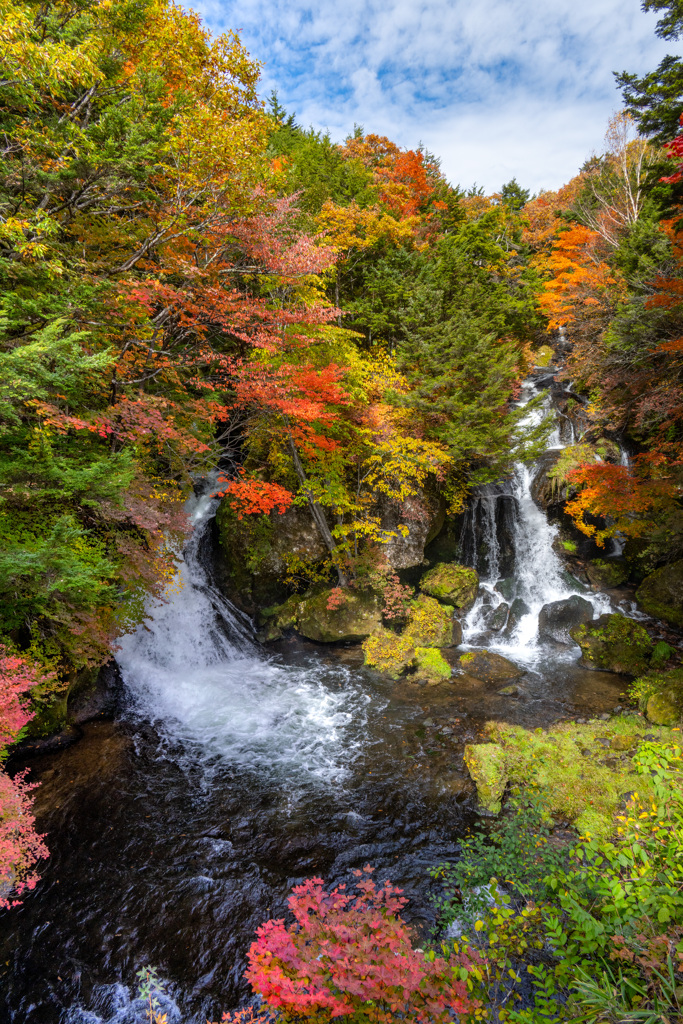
<point x="20" y="845"/>
<point x="351" y="955"/>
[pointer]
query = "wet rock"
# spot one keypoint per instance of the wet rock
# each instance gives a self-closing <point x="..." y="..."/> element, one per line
<point x="269" y="633"/>
<point x="518" y="609"/>
<point x="389" y="652"/>
<point x="557" y="618"/>
<point x="489" y="667"/>
<point x="661" y="594"/>
<point x="431" y="666"/>
<point x="486" y="764"/>
<point x="543" y="488"/>
<point x="506" y="588"/>
<point x="451" y="583"/>
<point x="606" y="574"/>
<point x="496" y="620"/>
<point x="614" y="643"/>
<point x="431" y="624"/>
<point x="510" y="691"/>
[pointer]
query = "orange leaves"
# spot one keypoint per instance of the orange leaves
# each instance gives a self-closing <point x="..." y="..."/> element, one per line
<point x="255" y="497"/>
<point x="580" y="278"/>
<point x="630" y="499"/>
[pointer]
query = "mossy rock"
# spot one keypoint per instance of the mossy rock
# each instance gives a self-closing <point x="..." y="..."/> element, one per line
<point x="432" y="667"/>
<point x="356" y="615"/>
<point x="431" y="624"/>
<point x="614" y="643"/>
<point x="661" y="594"/>
<point x="660" y="696"/>
<point x="388" y="652"/>
<point x="489" y="667"/>
<point x="451" y="583"/>
<point x="543" y="356"/>
<point x="487" y="765"/>
<point x="665" y="707"/>
<point x="606" y="574"/>
<point x="581" y="771"/>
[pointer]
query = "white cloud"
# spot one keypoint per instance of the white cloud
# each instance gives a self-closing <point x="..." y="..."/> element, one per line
<point x="495" y="87"/>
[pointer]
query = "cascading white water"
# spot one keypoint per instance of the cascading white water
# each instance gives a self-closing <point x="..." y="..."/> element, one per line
<point x="193" y="669"/>
<point x="539" y="576"/>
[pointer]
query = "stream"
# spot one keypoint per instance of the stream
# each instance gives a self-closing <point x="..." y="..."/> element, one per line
<point x="229" y="772"/>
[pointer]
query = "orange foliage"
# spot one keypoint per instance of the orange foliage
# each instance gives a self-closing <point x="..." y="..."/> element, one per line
<point x="630" y="498"/>
<point x="582" y="283"/>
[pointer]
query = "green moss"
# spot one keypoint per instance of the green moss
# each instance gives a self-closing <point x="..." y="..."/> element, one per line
<point x="660" y="695"/>
<point x="582" y="771"/>
<point x="661" y="593"/>
<point x="569" y="546"/>
<point x="614" y="643"/>
<point x="543" y="356"/>
<point x="661" y="654"/>
<point x="388" y="652"/>
<point x="454" y="584"/>
<point x="430" y="624"/>
<point x="487" y="765"/>
<point x="431" y="665"/>
<point x="606" y="574"/>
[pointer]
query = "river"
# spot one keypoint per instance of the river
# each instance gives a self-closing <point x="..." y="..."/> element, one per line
<point x="229" y="772"/>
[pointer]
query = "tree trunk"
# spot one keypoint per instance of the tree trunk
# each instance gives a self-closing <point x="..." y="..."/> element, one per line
<point x="318" y="515"/>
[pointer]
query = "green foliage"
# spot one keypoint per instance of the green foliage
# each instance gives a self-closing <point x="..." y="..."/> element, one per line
<point x="601" y="936"/>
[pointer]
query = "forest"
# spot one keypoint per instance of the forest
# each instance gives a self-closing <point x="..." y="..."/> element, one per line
<point x="333" y="340"/>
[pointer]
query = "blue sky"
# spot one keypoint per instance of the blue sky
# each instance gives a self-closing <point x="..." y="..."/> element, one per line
<point x="496" y="88"/>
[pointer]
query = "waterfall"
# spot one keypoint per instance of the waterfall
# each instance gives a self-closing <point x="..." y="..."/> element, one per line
<point x="539" y="576"/>
<point x="193" y="669"/>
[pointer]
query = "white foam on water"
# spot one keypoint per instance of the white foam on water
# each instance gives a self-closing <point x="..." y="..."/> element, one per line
<point x="194" y="670"/>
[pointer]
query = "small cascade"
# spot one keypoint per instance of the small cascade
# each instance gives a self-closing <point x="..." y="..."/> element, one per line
<point x="194" y="670"/>
<point x="536" y="576"/>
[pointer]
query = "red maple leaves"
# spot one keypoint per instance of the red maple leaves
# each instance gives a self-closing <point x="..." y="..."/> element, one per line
<point x="348" y="953"/>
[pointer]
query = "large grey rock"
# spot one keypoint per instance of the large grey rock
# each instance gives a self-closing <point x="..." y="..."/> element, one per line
<point x="518" y="609"/>
<point x="661" y="593"/>
<point x="558" y="617"/>
<point x="422" y="516"/>
<point x="495" y="621"/>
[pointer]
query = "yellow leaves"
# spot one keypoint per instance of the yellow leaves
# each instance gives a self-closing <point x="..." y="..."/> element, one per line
<point x="350" y="227"/>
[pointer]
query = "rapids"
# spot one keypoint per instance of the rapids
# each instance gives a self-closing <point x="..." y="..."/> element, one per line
<point x="228" y="773"/>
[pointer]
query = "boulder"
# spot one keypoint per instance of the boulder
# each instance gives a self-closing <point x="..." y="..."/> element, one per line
<point x="557" y="618"/>
<point x="353" y="616"/>
<point x="543" y="355"/>
<point x="661" y="593"/>
<point x="389" y="652"/>
<point x="432" y="667"/>
<point x="489" y="667"/>
<point x="518" y="609"/>
<point x="606" y="574"/>
<point x="451" y="583"/>
<point x="486" y="764"/>
<point x="506" y="588"/>
<point x="414" y="523"/>
<point x="665" y="707"/>
<point x="431" y="624"/>
<point x="253" y="553"/>
<point x="328" y="616"/>
<point x="496" y="619"/>
<point x="613" y="643"/>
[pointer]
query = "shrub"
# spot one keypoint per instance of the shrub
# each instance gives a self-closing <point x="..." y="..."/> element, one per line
<point x="351" y="955"/>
